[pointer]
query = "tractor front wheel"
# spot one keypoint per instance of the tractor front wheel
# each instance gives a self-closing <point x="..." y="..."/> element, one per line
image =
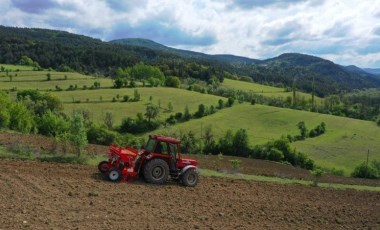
<point x="190" y="178"/>
<point x="114" y="175"/>
<point x="103" y="166"/>
<point x="156" y="171"/>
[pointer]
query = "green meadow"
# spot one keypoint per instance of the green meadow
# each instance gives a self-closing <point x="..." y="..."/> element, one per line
<point x="343" y="146"/>
<point x="98" y="102"/>
<point x="16" y="67"/>
<point x="265" y="90"/>
<point x="27" y="79"/>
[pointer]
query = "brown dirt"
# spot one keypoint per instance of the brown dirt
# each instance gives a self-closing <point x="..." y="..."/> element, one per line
<point x="35" y="195"/>
<point x="248" y="166"/>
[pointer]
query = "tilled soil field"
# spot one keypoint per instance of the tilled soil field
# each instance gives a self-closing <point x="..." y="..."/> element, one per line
<point x="35" y="195"/>
<point x="248" y="166"/>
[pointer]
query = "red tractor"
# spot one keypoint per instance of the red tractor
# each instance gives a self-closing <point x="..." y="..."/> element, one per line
<point x="160" y="158"/>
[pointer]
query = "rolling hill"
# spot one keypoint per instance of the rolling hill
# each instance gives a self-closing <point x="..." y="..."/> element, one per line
<point x="62" y="50"/>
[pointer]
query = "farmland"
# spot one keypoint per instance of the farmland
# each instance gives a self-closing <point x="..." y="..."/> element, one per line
<point x="39" y="195"/>
<point x="344" y="145"/>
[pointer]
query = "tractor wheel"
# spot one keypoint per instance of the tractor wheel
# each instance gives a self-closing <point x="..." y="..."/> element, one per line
<point x="114" y="175"/>
<point x="190" y="178"/>
<point x="156" y="171"/>
<point x="103" y="166"/>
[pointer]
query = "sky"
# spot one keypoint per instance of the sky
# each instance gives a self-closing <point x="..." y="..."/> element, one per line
<point x="343" y="31"/>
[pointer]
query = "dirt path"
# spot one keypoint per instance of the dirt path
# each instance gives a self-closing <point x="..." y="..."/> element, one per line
<point x="35" y="195"/>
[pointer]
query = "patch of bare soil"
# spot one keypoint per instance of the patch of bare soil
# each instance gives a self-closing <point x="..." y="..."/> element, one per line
<point x="35" y="195"/>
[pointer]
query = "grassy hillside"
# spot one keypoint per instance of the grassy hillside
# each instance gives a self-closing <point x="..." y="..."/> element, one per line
<point x="16" y="67"/>
<point x="28" y="79"/>
<point x="100" y="101"/>
<point x="265" y="90"/>
<point x="343" y="146"/>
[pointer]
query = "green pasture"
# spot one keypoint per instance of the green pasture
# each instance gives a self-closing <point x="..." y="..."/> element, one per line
<point x="267" y="91"/>
<point x="250" y="86"/>
<point x="27" y="79"/>
<point x="343" y="146"/>
<point x="98" y="102"/>
<point x="15" y="68"/>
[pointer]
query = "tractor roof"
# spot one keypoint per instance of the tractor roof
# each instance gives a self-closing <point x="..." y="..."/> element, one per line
<point x="165" y="139"/>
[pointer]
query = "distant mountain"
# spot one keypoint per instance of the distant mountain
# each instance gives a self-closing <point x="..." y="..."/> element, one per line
<point x="350" y="77"/>
<point x="372" y="71"/>
<point x="139" y="42"/>
<point x="62" y="50"/>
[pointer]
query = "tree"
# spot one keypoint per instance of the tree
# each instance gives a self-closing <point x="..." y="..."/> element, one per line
<point x="118" y="83"/>
<point x="48" y="77"/>
<point x="186" y="114"/>
<point x="209" y="142"/>
<point x="226" y="142"/>
<point x="108" y="120"/>
<point x="317" y="173"/>
<point x="21" y="119"/>
<point x="5" y="115"/>
<point x="366" y="171"/>
<point x="294" y="92"/>
<point x="151" y="112"/>
<point x="77" y="133"/>
<point x="240" y="143"/>
<point x="230" y="101"/>
<point x="50" y="124"/>
<point x="303" y="130"/>
<point x="220" y="104"/>
<point x="170" y="107"/>
<point x="172" y="82"/>
<point x="201" y="111"/>
<point x="136" y="95"/>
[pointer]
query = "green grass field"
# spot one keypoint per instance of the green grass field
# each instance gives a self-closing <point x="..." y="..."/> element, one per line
<point x="99" y="106"/>
<point x="343" y="146"/>
<point x="27" y="79"/>
<point x="267" y="91"/>
<point x="16" y="67"/>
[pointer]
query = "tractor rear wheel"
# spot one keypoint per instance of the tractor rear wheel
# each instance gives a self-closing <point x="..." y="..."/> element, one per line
<point x="190" y="178"/>
<point x="103" y="166"/>
<point x="156" y="171"/>
<point x="114" y="175"/>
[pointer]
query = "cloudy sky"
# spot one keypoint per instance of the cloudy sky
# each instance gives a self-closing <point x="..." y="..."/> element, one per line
<point x="344" y="31"/>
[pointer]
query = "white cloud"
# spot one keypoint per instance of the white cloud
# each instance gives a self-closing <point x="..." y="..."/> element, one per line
<point x="343" y="31"/>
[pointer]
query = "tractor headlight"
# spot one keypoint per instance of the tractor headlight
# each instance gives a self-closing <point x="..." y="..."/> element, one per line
<point x="149" y="156"/>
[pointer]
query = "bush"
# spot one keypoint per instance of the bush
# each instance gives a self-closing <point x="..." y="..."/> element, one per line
<point x="138" y="125"/>
<point x="21" y="119"/>
<point x="101" y="136"/>
<point x="275" y="155"/>
<point x="125" y="98"/>
<point x="364" y="171"/>
<point x="172" y="82"/>
<point x="50" y="124"/>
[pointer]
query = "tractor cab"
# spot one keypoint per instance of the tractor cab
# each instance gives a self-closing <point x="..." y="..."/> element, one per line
<point x="167" y="148"/>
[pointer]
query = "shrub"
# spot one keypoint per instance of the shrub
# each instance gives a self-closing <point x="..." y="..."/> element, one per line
<point x="275" y="155"/>
<point x="101" y="136"/>
<point x="365" y="171"/>
<point x="125" y="98"/>
<point x="21" y="119"/>
<point x="236" y="163"/>
<point x="50" y="124"/>
<point x="317" y="173"/>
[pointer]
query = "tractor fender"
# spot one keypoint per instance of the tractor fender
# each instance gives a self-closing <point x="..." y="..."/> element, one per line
<point x="187" y="168"/>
